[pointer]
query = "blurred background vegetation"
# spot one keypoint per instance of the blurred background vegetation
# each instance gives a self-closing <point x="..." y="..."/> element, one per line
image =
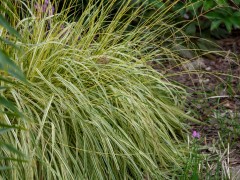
<point x="204" y="18"/>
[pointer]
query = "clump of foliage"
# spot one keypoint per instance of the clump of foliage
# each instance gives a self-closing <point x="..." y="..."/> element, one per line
<point x="10" y="74"/>
<point x="220" y="17"/>
<point x="96" y="110"/>
<point x="202" y="18"/>
<point x="217" y="18"/>
<point x="198" y="17"/>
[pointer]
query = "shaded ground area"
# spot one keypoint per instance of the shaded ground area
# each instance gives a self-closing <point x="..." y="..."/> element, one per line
<point x="214" y="87"/>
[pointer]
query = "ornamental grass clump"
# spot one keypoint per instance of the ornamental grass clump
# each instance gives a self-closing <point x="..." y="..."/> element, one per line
<point x="94" y="109"/>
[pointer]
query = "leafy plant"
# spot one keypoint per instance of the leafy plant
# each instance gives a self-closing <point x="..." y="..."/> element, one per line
<point x="207" y="161"/>
<point x="200" y="17"/>
<point x="211" y="15"/>
<point x="98" y="110"/>
<point x="8" y="71"/>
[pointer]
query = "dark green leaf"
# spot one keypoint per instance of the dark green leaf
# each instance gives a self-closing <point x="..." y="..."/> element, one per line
<point x="10" y="114"/>
<point x="9" y="42"/>
<point x="236" y="14"/>
<point x="215" y="24"/>
<point x="12" y="126"/>
<point x="222" y="2"/>
<point x="235" y="21"/>
<point x="193" y="7"/>
<point x="179" y="7"/>
<point x="6" y="25"/>
<point x="8" y="65"/>
<point x="157" y="4"/>
<point x="214" y="16"/>
<point x="206" y="45"/>
<point x="9" y="105"/>
<point x="228" y="24"/>
<point x="208" y="5"/>
<point x="191" y="29"/>
<point x="237" y="2"/>
<point x="13" y="159"/>
<point x="11" y="148"/>
<point x="7" y="80"/>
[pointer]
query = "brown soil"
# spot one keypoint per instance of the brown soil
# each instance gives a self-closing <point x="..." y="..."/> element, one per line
<point x="214" y="88"/>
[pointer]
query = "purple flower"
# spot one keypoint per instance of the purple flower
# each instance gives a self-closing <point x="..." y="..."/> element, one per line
<point x="46" y="7"/>
<point x="53" y="9"/>
<point x="196" y="134"/>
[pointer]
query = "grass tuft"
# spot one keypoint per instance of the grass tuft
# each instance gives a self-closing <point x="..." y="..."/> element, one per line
<point x="95" y="109"/>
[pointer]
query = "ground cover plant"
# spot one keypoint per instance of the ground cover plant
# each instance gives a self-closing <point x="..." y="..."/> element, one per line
<point x="215" y="18"/>
<point x="107" y="97"/>
<point x="94" y="108"/>
<point x="9" y="71"/>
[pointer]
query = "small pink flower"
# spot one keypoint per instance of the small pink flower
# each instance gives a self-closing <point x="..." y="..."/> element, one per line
<point x="196" y="134"/>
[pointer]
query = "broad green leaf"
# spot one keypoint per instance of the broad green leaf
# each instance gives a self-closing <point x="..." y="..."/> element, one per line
<point x="214" y="16"/>
<point x="208" y="5"/>
<point x="215" y="24"/>
<point x="235" y="21"/>
<point x="11" y="148"/>
<point x="236" y="14"/>
<point x="222" y="2"/>
<point x="194" y="6"/>
<point x="6" y="11"/>
<point x="206" y="45"/>
<point x="6" y="25"/>
<point x="9" y="105"/>
<point x="191" y="29"/>
<point x="183" y="51"/>
<point x="6" y="64"/>
<point x="228" y="24"/>
<point x="179" y="7"/>
<point x="237" y="2"/>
